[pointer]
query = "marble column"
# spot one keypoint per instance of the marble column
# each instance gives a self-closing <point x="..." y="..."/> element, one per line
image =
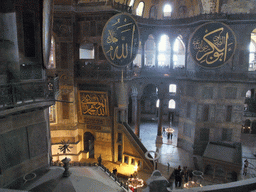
<point x="142" y="54"/>
<point x="186" y="51"/>
<point x="159" y="138"/>
<point x="171" y="53"/>
<point x="137" y="122"/>
<point x="156" y="58"/>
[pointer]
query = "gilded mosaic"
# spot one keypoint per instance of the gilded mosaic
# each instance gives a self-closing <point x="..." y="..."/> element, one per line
<point x="93" y="103"/>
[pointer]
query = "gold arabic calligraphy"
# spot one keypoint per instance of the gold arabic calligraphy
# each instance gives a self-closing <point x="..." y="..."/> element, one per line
<point x="127" y="31"/>
<point x="94" y="104"/>
<point x="213" y="47"/>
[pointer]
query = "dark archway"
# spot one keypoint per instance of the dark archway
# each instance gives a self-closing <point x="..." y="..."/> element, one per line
<point x="246" y="126"/>
<point x="89" y="144"/>
<point x="148" y="102"/>
<point x="253" y="128"/>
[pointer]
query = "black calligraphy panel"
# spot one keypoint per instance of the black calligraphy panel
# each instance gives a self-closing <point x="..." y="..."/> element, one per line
<point x="120" y="40"/>
<point x="212" y="45"/>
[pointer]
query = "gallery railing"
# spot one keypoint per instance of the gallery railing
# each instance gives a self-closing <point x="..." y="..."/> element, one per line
<point x="23" y="93"/>
<point x="122" y="7"/>
<point x="200" y="17"/>
<point x="103" y="74"/>
<point x="180" y="73"/>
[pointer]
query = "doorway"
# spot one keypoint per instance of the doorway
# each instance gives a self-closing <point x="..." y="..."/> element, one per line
<point x="171" y="117"/>
<point x="89" y="144"/>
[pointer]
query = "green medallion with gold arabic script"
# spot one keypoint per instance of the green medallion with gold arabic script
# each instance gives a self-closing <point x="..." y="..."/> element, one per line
<point x="212" y="45"/>
<point x="120" y="40"/>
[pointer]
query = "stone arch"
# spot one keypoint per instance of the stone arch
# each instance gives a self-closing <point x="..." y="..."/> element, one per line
<point x="179" y="50"/>
<point x="164" y="50"/>
<point x="148" y="99"/>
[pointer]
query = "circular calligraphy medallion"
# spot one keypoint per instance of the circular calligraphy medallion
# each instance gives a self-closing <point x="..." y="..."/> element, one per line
<point x="212" y="45"/>
<point x="120" y="40"/>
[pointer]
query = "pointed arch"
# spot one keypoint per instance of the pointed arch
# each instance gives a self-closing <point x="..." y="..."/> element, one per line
<point x="178" y="53"/>
<point x="153" y="12"/>
<point x="149" y="51"/>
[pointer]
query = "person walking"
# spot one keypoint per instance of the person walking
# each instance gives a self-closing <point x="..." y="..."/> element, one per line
<point x="168" y="135"/>
<point x="185" y="170"/>
<point x="178" y="178"/>
<point x="190" y="174"/>
<point x="163" y="131"/>
<point x="246" y="163"/>
<point x="171" y="136"/>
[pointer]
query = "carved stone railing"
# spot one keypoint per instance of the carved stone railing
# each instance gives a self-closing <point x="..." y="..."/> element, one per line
<point x="122" y="7"/>
<point x="103" y="74"/>
<point x="88" y="72"/>
<point x="24" y="93"/>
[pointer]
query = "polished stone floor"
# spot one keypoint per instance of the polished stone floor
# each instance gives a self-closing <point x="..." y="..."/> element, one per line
<point x="175" y="156"/>
<point x="169" y="152"/>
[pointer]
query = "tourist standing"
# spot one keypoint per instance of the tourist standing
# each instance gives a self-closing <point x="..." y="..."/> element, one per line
<point x="246" y="163"/>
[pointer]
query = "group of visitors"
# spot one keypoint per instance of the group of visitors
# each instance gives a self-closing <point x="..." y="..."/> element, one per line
<point x="169" y="134"/>
<point x="181" y="176"/>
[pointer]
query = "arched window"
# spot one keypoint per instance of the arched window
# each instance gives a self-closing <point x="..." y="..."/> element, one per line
<point x="164" y="51"/>
<point x="167" y="11"/>
<point x="178" y="53"/>
<point x="172" y="104"/>
<point x="157" y="103"/>
<point x="153" y="12"/>
<point x="252" y="52"/>
<point x="52" y="61"/>
<point x="140" y="9"/>
<point x="248" y="94"/>
<point x="131" y="3"/>
<point x="149" y="51"/>
<point x="172" y="88"/>
<point x="163" y="43"/>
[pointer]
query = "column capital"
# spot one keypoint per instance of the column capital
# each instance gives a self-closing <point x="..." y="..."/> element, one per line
<point x="134" y="91"/>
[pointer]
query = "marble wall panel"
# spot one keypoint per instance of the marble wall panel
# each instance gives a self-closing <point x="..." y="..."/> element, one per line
<point x="15" y="147"/>
<point x="37" y="139"/>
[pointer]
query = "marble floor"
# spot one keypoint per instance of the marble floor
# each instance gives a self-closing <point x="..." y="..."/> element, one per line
<point x="175" y="156"/>
<point x="169" y="152"/>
